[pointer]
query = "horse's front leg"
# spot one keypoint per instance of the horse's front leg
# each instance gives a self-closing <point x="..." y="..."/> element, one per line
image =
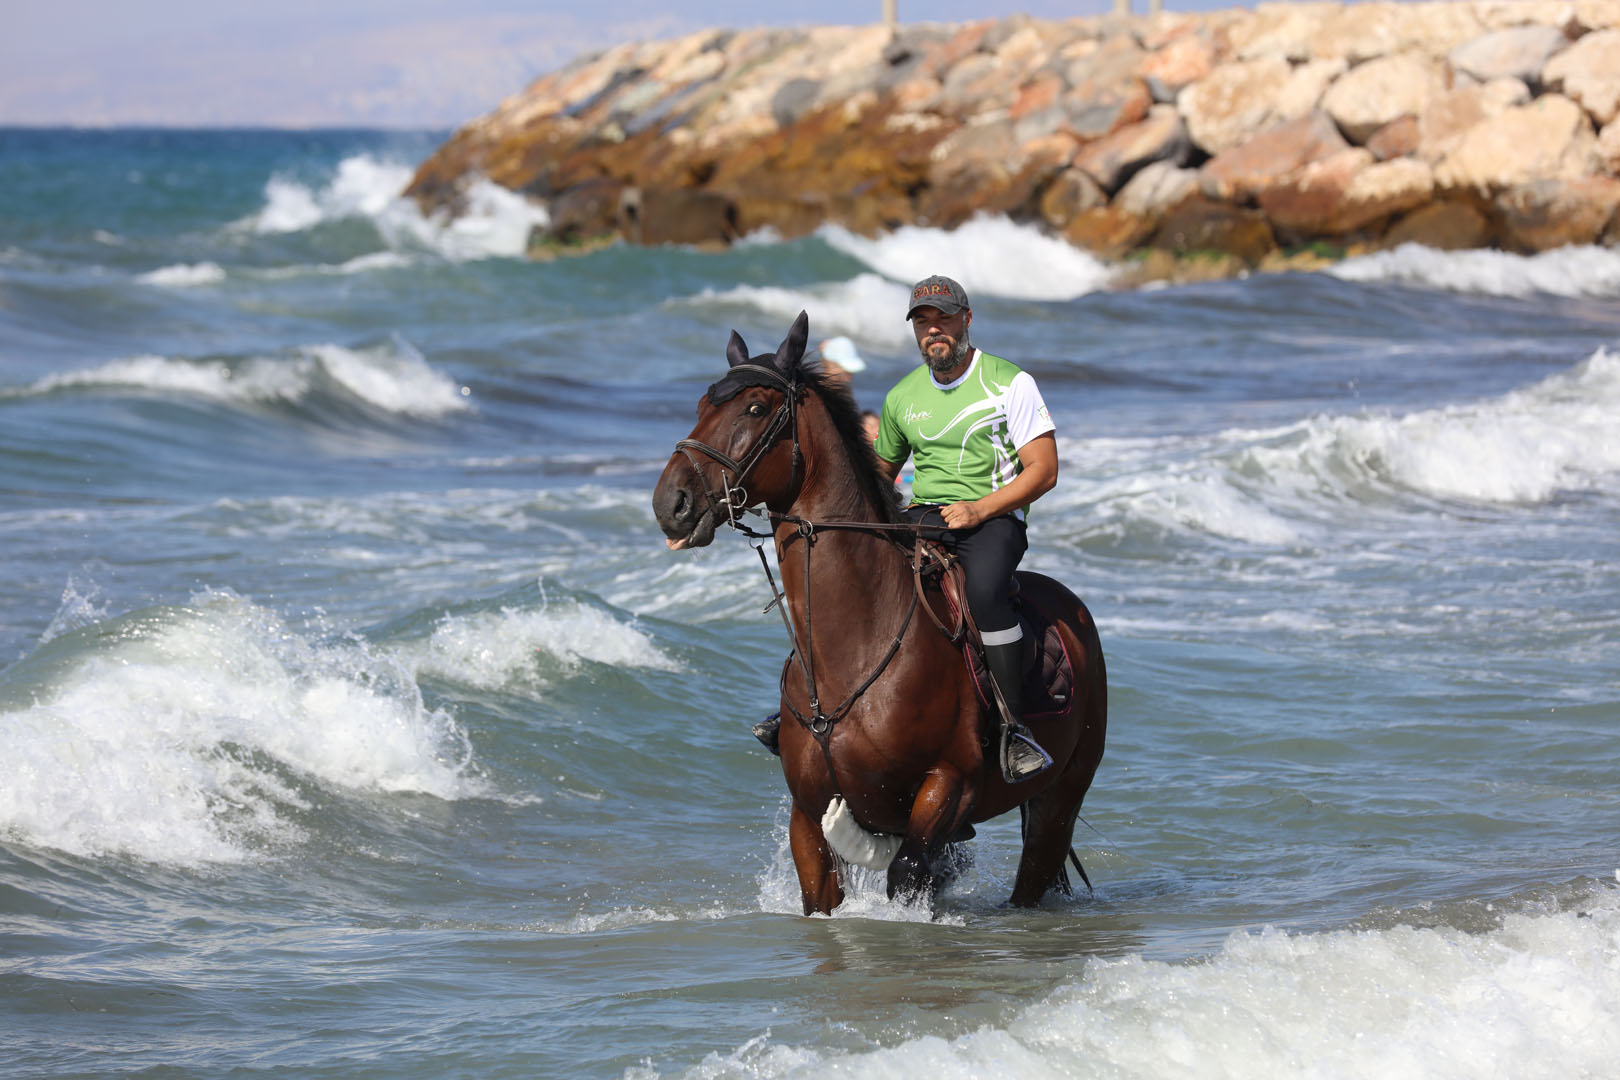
<point x="819" y="886"/>
<point x="941" y="806"/>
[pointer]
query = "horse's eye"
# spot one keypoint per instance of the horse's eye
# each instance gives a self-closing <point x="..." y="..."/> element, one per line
<point x="756" y="409"/>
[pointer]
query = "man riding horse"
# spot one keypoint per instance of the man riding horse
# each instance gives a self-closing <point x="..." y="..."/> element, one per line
<point x="984" y="450"/>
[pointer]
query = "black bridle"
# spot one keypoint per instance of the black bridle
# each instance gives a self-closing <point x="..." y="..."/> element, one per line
<point x="735" y="500"/>
<point x="733" y="472"/>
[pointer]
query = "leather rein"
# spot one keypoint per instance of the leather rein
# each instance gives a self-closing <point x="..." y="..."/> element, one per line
<point x="928" y="557"/>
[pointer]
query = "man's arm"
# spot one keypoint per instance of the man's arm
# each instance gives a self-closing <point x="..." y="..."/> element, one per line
<point x="890" y="469"/>
<point x="1039" y="458"/>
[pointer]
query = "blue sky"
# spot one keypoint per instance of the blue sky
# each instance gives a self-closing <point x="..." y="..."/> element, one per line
<point x="384" y="63"/>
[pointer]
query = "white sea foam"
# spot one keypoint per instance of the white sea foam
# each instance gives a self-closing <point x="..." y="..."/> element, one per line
<point x="397" y="380"/>
<point x="377" y="260"/>
<point x="393" y="379"/>
<point x="1521" y="448"/>
<point x="1567" y="271"/>
<point x="499" y="649"/>
<point x="1540" y="996"/>
<point x="1280" y="486"/>
<point x="493" y="221"/>
<point x="990" y="256"/>
<point x="184" y="275"/>
<point x="362" y="187"/>
<point x="863" y="308"/>
<point x="182" y="736"/>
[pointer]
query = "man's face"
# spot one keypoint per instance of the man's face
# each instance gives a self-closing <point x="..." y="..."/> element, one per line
<point x="942" y="338"/>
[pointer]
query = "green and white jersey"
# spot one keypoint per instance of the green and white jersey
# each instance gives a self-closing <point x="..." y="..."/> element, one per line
<point x="965" y="434"/>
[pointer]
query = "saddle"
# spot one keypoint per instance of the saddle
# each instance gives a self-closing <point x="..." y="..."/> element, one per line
<point x="1047" y="668"/>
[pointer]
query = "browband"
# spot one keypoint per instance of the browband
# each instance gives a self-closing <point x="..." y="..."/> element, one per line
<point x="745" y="375"/>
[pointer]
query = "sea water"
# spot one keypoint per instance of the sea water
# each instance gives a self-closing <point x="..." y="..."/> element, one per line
<point x="356" y="721"/>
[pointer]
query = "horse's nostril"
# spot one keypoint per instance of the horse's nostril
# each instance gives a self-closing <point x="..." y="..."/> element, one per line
<point x="681" y="505"/>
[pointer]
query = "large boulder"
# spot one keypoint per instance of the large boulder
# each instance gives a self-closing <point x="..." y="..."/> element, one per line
<point x="1107" y="90"/>
<point x="1396" y="139"/>
<point x="1546" y="214"/>
<point x="1068" y="195"/>
<point x="1157" y="190"/>
<point x="1452" y="115"/>
<point x="1518" y="52"/>
<point x="1108" y="231"/>
<point x="1372" y="94"/>
<point x="1091" y="115"/>
<point x="1596" y="14"/>
<point x="1444" y="225"/>
<point x="1038" y="165"/>
<point x="1277" y="31"/>
<point x="1589" y="72"/>
<point x="677" y="216"/>
<point x="969" y="174"/>
<point x="1203" y="225"/>
<point x="974" y="87"/>
<point x="1178" y="64"/>
<point x="1345" y="193"/>
<point x="1305" y="88"/>
<point x="1234" y="103"/>
<point x="1241" y="173"/>
<point x="1548" y="139"/>
<point x="1365" y="31"/>
<point x="1115" y="158"/>
<point x="584" y="211"/>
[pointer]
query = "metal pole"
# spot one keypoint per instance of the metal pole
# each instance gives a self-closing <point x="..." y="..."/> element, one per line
<point x="890" y="19"/>
<point x="1122" y="7"/>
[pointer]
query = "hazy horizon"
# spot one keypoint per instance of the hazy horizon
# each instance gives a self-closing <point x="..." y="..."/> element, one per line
<point x="406" y="64"/>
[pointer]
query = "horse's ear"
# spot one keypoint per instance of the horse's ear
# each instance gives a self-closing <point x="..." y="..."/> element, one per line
<point x="791" y="351"/>
<point x="736" y="350"/>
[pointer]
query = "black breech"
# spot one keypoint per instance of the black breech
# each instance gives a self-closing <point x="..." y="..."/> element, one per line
<point x="989" y="553"/>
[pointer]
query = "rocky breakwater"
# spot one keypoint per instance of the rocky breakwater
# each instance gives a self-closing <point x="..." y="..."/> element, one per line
<point x="1240" y="138"/>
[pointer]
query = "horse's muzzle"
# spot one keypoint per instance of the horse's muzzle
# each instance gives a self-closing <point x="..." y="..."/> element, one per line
<point x="682" y="509"/>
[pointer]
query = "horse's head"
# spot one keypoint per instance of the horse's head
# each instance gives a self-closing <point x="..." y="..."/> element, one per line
<point x="744" y="449"/>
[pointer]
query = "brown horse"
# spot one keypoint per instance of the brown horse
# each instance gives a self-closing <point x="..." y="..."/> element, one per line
<point x="905" y="745"/>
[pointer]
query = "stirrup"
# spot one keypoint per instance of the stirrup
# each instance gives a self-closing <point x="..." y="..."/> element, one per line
<point x="768" y="731"/>
<point x="1022" y="758"/>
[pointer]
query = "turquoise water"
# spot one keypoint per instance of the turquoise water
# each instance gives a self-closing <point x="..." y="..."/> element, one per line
<point x="358" y="722"/>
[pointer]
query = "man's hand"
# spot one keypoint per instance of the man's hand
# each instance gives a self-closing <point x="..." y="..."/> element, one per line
<point x="962" y="515"/>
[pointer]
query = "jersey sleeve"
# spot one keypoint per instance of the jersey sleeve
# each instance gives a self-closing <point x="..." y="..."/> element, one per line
<point x="1027" y="418"/>
<point x="891" y="441"/>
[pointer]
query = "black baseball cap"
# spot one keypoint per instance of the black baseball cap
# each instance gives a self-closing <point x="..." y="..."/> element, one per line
<point x="940" y="292"/>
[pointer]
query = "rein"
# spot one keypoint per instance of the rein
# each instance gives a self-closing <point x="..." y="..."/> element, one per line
<point x="928" y="557"/>
<point x="736" y="497"/>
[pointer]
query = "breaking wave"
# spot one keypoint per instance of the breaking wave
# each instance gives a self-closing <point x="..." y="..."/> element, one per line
<point x="493" y="222"/>
<point x="192" y="734"/>
<point x="1274" y="486"/>
<point x="393" y="379"/>
<point x="1537" y="994"/>
<point x="1567" y="271"/>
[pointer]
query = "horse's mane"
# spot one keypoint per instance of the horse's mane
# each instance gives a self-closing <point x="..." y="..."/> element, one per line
<point x="876" y="491"/>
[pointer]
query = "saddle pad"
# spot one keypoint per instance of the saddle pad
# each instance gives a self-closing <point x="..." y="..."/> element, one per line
<point x="1048" y="673"/>
<point x="1048" y="670"/>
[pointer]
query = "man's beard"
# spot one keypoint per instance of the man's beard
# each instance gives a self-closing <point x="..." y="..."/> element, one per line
<point x="952" y="359"/>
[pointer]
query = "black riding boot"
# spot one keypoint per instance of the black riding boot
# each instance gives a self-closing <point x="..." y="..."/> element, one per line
<point x="1025" y="758"/>
<point x="768" y="731"/>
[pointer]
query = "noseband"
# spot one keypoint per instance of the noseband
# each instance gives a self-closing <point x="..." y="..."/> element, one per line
<point x="735" y="498"/>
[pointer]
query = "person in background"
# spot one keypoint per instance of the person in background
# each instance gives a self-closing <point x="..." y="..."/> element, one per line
<point x="839" y="358"/>
<point x="984" y="449"/>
